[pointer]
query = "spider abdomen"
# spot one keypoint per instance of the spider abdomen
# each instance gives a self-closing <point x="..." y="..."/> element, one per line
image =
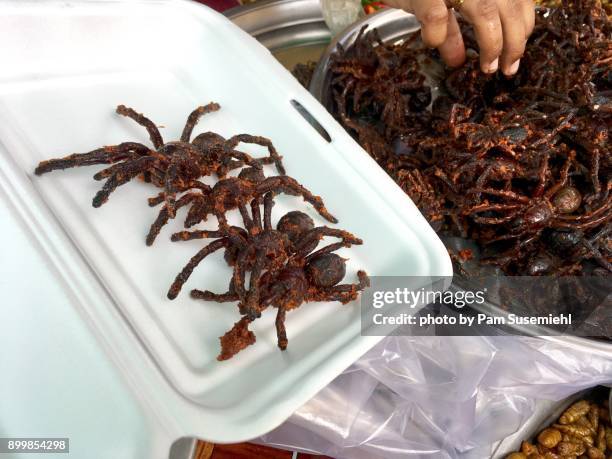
<point x="326" y="270"/>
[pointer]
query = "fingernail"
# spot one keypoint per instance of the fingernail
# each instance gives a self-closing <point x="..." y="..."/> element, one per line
<point x="514" y="67"/>
<point x="493" y="66"/>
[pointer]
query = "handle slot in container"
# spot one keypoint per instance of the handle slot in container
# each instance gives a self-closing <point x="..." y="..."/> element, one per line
<point x="311" y="120"/>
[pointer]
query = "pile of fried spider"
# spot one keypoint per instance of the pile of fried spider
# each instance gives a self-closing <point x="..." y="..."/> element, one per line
<point x="520" y="165"/>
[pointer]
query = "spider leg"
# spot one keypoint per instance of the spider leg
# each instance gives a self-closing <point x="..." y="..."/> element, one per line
<point x="117" y="168"/>
<point x="542" y="173"/>
<point x="182" y="277"/>
<point x="161" y="196"/>
<point x="180" y="168"/>
<point x="267" y="160"/>
<point x="270" y="297"/>
<point x="291" y="186"/>
<point x="156" y="200"/>
<point x="502" y="194"/>
<point x="599" y="258"/>
<point x="198" y="212"/>
<point x="281" y="332"/>
<point x="169" y="189"/>
<point x="246" y="218"/>
<point x="155" y="175"/>
<point x="121" y="177"/>
<point x="318" y="233"/>
<point x="236" y="339"/>
<point x="601" y="233"/>
<point x="243" y="158"/>
<point x="207" y="295"/>
<point x="585" y="224"/>
<point x="563" y="176"/>
<point x="195" y="116"/>
<point x="154" y="134"/>
<point x="328" y="249"/>
<point x="487" y="207"/>
<point x="364" y="282"/>
<point x="564" y="123"/>
<point x="344" y="293"/>
<point x="197" y="185"/>
<point x="191" y="235"/>
<point x="164" y="216"/>
<point x="595" y="157"/>
<point x="256" y="212"/>
<point x="193" y="217"/>
<point x="221" y="218"/>
<point x="252" y="297"/>
<point x="268" y="204"/>
<point x="105" y="155"/>
<point x="246" y="138"/>
<point x="505" y="237"/>
<point x="239" y="272"/>
<point x="604" y="208"/>
<point x="494" y="220"/>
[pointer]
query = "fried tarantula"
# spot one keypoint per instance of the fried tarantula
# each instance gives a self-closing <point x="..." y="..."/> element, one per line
<point x="285" y="272"/>
<point x="312" y="278"/>
<point x="232" y="193"/>
<point x="257" y="248"/>
<point x="173" y="166"/>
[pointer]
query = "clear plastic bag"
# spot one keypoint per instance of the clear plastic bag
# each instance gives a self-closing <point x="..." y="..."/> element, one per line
<point x="438" y="397"/>
<point x="339" y="14"/>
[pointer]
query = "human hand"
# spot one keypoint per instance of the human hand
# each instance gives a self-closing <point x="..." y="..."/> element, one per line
<point x="501" y="27"/>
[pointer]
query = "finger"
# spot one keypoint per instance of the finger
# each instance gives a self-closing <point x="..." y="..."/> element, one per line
<point x="484" y="16"/>
<point x="528" y="11"/>
<point x="513" y="31"/>
<point x="400" y="4"/>
<point x="433" y="16"/>
<point x="453" y="48"/>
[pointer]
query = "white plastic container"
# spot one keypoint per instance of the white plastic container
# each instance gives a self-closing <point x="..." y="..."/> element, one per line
<point x="65" y="66"/>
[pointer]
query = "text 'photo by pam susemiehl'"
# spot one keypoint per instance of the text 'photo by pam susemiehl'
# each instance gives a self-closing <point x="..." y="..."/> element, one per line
<point x="487" y="306"/>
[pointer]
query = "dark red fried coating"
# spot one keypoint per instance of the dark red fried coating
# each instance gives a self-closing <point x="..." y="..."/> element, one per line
<point x="236" y="339"/>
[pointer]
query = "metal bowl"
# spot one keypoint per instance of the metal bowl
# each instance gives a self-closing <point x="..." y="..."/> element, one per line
<point x="392" y="26"/>
<point x="293" y="30"/>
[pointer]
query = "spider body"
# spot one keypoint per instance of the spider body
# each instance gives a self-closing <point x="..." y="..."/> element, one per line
<point x="257" y="249"/>
<point x="287" y="290"/>
<point x="326" y="270"/>
<point x="314" y="277"/>
<point x="172" y="166"/>
<point x="235" y="192"/>
<point x="175" y="166"/>
<point x="284" y="270"/>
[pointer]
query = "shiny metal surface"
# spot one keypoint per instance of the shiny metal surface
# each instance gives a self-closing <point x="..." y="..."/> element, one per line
<point x="392" y="25"/>
<point x="183" y="448"/>
<point x="293" y="30"/>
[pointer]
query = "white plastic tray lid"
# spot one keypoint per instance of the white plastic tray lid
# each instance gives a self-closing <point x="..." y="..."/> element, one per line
<point x="65" y="66"/>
